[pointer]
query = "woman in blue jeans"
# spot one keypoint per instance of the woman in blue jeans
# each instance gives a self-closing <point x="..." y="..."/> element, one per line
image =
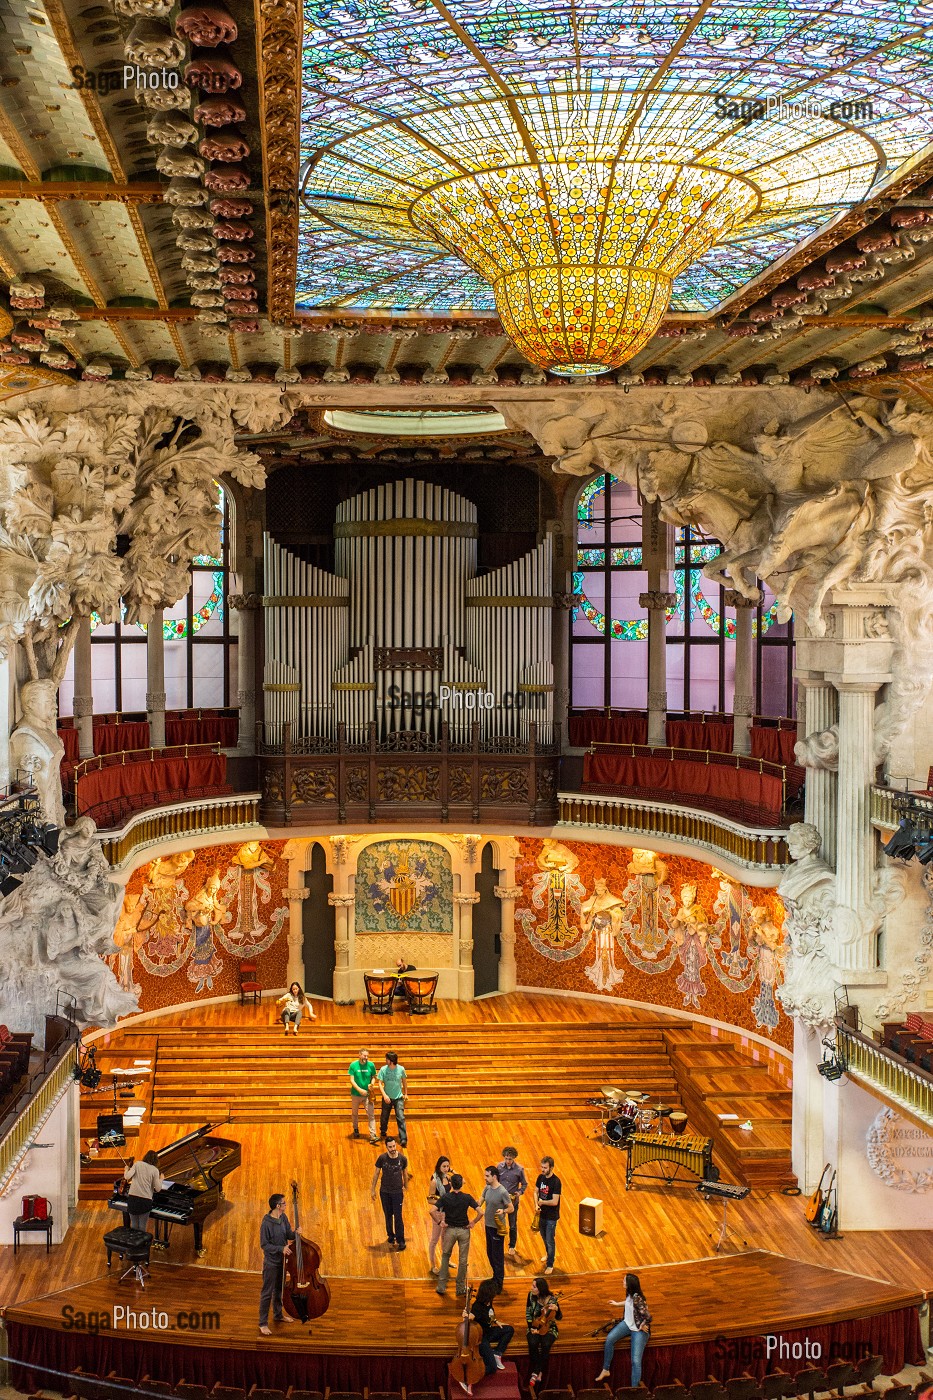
<point x="635" y="1323"/>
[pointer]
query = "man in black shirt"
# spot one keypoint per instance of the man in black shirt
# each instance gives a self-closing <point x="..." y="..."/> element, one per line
<point x="455" y="1207"/>
<point x="275" y="1236"/>
<point x="394" y="1168"/>
<point x="547" y="1201"/>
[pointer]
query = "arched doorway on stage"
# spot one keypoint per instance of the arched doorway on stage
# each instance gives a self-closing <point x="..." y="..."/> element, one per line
<point x="319" y="926"/>
<point x="487" y="926"/>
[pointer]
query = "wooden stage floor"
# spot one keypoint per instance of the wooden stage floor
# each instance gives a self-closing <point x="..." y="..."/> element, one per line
<point x="791" y="1277"/>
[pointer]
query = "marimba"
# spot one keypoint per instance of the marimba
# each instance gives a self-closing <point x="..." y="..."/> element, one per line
<point x="694" y="1153"/>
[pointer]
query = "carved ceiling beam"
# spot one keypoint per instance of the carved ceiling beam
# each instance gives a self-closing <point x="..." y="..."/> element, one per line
<point x="168" y="314"/>
<point x="91" y="191"/>
<point x="278" y="58"/>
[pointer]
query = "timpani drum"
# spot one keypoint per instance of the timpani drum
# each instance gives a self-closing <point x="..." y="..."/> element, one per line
<point x="678" y="1121"/>
<point x="379" y="989"/>
<point x="421" y="989"/>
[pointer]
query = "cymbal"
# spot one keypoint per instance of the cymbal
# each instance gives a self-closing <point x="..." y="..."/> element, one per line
<point x="608" y="1092"/>
<point x="637" y="1096"/>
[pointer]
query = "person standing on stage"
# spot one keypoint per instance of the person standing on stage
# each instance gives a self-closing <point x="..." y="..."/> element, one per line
<point x="635" y="1323"/>
<point x="512" y="1177"/>
<point x="542" y="1314"/>
<point x="275" y="1237"/>
<point x="145" y="1180"/>
<point x="362" y="1074"/>
<point x="497" y="1203"/>
<point x="547" y="1201"/>
<point x="440" y="1184"/>
<point x="496" y="1335"/>
<point x="455" y="1208"/>
<point x="394" y="1084"/>
<point x="394" y="1168"/>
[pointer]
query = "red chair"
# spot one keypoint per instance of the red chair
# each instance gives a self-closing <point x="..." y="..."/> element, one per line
<point x="249" y="986"/>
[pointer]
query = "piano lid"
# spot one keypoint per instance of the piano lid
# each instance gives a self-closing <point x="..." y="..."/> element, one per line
<point x="183" y="1141"/>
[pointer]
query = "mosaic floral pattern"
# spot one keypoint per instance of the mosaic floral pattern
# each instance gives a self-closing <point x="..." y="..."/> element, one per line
<point x="497" y="144"/>
<point x="404" y="886"/>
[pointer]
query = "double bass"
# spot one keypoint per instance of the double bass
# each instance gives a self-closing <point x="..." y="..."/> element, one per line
<point x="304" y="1293"/>
<point x="467" y="1367"/>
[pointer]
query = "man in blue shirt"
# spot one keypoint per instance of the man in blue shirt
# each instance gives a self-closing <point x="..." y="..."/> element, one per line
<point x="394" y="1083"/>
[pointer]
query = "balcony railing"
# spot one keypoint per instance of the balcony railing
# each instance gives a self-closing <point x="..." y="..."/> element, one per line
<point x="758" y="850"/>
<point x="905" y="1085"/>
<point x="888" y="805"/>
<point x="183" y="819"/>
<point x="409" y="775"/>
<point x="44" y="1092"/>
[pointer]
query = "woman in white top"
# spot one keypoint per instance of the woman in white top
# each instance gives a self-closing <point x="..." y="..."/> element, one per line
<point x="293" y="1003"/>
<point x="145" y="1180"/>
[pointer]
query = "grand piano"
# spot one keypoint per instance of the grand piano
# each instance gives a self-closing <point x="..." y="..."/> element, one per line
<point x="196" y="1166"/>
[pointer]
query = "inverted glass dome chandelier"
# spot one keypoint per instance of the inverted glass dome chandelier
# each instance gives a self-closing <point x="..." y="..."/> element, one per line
<point x="581" y="167"/>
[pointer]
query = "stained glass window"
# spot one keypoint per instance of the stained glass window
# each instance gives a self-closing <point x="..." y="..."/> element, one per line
<point x="200" y="648"/>
<point x="435" y="137"/>
<point x="609" y="632"/>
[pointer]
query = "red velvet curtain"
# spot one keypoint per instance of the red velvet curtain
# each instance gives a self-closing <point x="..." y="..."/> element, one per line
<point x="153" y="777"/>
<point x="660" y="777"/>
<point x="716" y="735"/>
<point x="607" y="729"/>
<point x="39" y="1356"/>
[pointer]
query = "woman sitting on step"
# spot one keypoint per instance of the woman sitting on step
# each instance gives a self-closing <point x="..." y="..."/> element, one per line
<point x="293" y="1003"/>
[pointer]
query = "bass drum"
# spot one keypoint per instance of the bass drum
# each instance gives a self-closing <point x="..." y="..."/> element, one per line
<point x="617" y="1130"/>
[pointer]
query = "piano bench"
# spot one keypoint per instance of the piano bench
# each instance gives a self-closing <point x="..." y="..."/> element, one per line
<point x="134" y="1246"/>
<point x="21" y="1225"/>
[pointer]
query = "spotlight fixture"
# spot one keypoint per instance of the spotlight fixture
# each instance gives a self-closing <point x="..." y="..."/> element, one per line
<point x="924" y="847"/>
<point x="901" y="843"/>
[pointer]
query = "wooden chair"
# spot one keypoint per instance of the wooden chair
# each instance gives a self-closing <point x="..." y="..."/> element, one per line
<point x="293" y="1394"/>
<point x="343" y="1394"/>
<point x="840" y="1374"/>
<point x="744" y="1387"/>
<point x="154" y="1387"/>
<point x="633" y="1392"/>
<point x="555" y="1394"/>
<point x="227" y="1392"/>
<point x="249" y="986"/>
<point x="424" y="1394"/>
<point x="186" y="1390"/>
<point x="777" y="1384"/>
<point x="87" y="1385"/>
<point x="809" y="1381"/>
<point x="384" y="1394"/>
<point x="899" y="1392"/>
<point x="675" y="1391"/>
<point x="258" y="1394"/>
<point x="599" y="1393"/>
<point x="868" y="1369"/>
<point x="708" y="1390"/>
<point x="120" y="1387"/>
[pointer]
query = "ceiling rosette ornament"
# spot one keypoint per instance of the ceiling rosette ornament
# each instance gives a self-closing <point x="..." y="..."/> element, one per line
<point x="580" y="167"/>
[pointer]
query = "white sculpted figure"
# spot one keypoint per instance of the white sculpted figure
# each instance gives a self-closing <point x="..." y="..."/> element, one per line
<point x="808" y="892"/>
<point x="35" y="748"/>
<point x="56" y="929"/>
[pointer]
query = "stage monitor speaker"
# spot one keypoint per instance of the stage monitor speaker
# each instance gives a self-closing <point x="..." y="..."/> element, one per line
<point x="109" y="1123"/>
<point x="591" y="1216"/>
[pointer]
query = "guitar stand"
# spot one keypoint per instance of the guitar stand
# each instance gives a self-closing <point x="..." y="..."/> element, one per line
<point x="724" y="1232"/>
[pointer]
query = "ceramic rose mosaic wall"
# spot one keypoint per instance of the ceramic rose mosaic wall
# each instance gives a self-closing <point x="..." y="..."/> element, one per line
<point x="662" y="929"/>
<point x="189" y="920"/>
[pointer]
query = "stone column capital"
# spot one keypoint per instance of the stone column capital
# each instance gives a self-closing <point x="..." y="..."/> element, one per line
<point x="656" y="601"/>
<point x="466" y="899"/>
<point x="857" y="686"/>
<point x="734" y="599"/>
<point x="341" y="901"/>
<point x="510" y="892"/>
<point x="295" y="895"/>
<point x="244" y="602"/>
<point x="566" y="601"/>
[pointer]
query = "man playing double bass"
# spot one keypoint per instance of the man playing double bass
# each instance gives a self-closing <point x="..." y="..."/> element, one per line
<point x="275" y="1237"/>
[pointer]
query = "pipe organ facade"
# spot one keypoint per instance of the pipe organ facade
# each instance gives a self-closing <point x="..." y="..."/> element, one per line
<point x="404" y="633"/>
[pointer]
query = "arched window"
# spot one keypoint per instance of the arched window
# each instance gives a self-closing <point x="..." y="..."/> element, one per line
<point x="609" y="637"/>
<point x="200" y="648"/>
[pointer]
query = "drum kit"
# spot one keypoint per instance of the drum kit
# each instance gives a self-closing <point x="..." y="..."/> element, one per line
<point x="626" y="1111"/>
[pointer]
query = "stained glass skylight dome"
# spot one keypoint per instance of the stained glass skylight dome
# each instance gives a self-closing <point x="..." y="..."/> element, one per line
<point x="579" y="167"/>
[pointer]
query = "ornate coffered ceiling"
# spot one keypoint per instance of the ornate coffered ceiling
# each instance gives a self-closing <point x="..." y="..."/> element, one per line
<point x="120" y="267"/>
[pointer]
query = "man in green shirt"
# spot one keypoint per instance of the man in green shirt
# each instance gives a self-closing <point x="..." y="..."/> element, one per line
<point x="362" y="1074"/>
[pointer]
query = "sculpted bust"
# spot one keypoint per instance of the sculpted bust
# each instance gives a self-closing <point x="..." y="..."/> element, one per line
<point x="808" y="890"/>
<point x="36" y="748"/>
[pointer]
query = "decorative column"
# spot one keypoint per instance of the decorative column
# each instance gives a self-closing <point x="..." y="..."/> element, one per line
<point x="508" y="973"/>
<point x="343" y="973"/>
<point x="296" y="935"/>
<point x="464" y="903"/>
<point x="743" y="699"/>
<point x="855" y="922"/>
<point x="657" y="559"/>
<point x="155" y="679"/>
<point x="246" y="606"/>
<point x="819" y="715"/>
<point x="83" y="707"/>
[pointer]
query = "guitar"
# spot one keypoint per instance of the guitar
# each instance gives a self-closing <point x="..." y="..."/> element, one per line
<point x="829" y="1212"/>
<point x="815" y="1203"/>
